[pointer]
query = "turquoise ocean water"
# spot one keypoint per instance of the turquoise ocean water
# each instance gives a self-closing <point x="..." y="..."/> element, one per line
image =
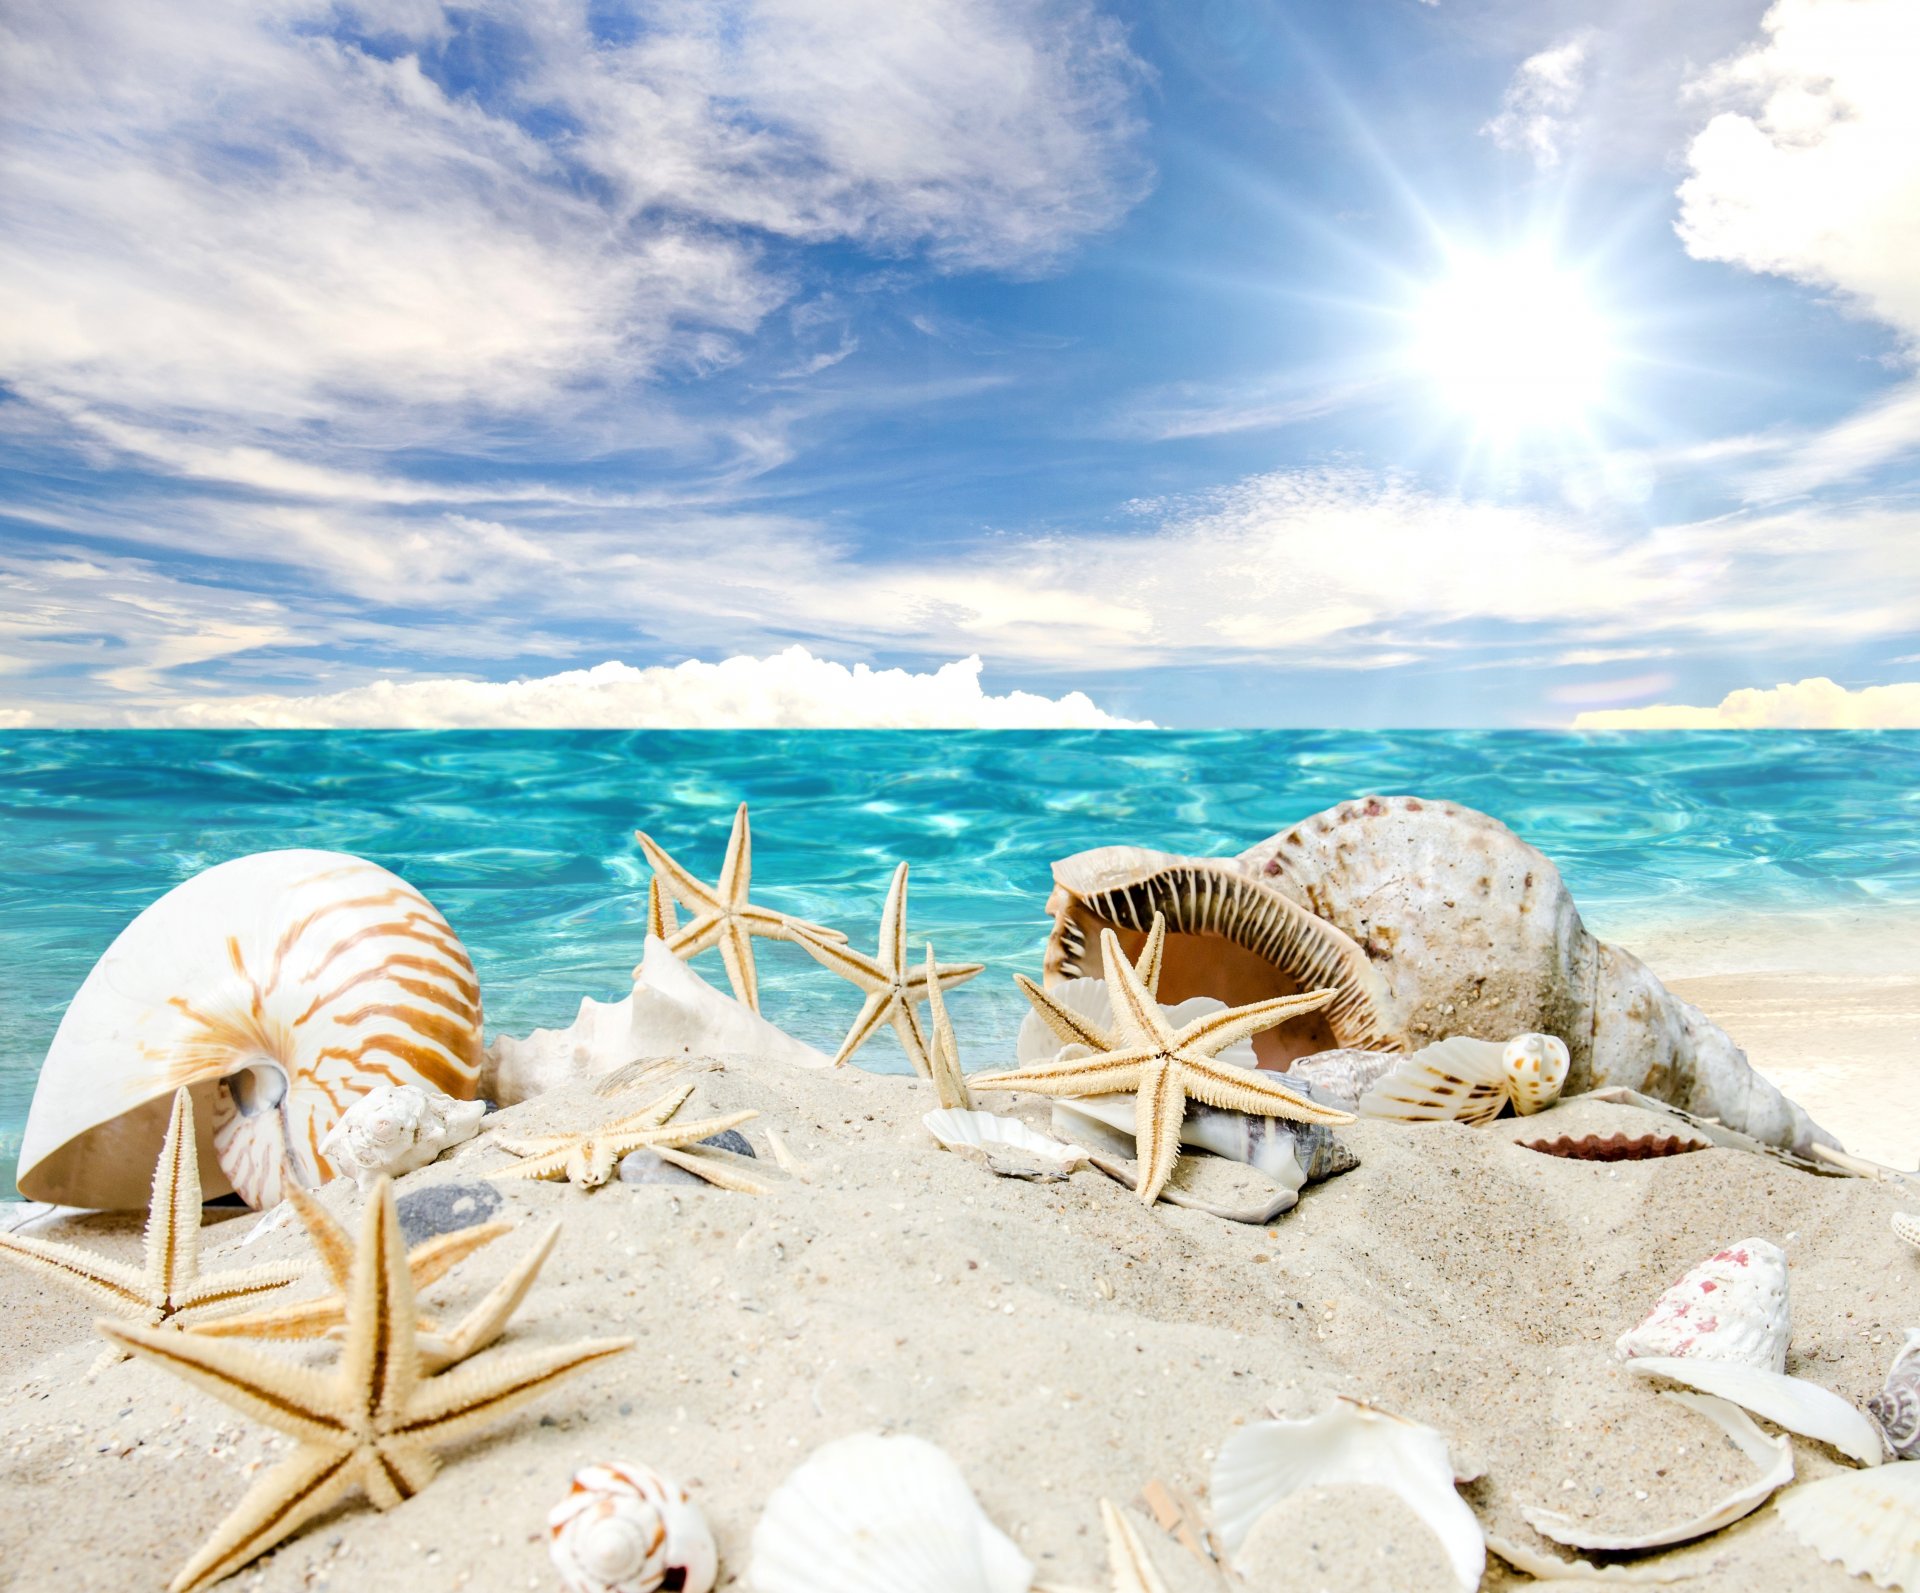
<point x="524" y="840"/>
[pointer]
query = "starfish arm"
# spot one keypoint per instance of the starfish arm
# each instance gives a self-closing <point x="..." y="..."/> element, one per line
<point x="432" y="1261"/>
<point x="1152" y="954"/>
<point x="590" y="1163"/>
<point x="792" y="928"/>
<point x="1158" y="1110"/>
<point x="303" y="1319"/>
<point x="306" y="1484"/>
<point x="1069" y="1028"/>
<point x="855" y="967"/>
<point x="713" y="1165"/>
<point x="551" y="1165"/>
<point x="1105" y="1074"/>
<point x="533" y="1145"/>
<point x="946" y="975"/>
<point x="873" y="1012"/>
<point x="1218" y="1030"/>
<point x="1127" y="1558"/>
<point x="662" y="921"/>
<point x="913" y="1039"/>
<point x="115" y="1287"/>
<point x="379" y="1358"/>
<point x="1137" y="1016"/>
<point x="688" y="1133"/>
<point x="451" y="1406"/>
<point x="736" y="873"/>
<point x="290" y="1399"/>
<point x="222" y="1289"/>
<point x="736" y="952"/>
<point x="700" y="935"/>
<point x="943" y="1057"/>
<point x="173" y="1214"/>
<point x="392" y="1472"/>
<point x="892" y="951"/>
<point x="329" y="1239"/>
<point x="685" y="889"/>
<point x="488" y="1320"/>
<point x="656" y="1112"/>
<point x="1237" y="1089"/>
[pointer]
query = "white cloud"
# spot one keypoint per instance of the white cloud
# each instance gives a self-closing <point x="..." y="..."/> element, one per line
<point x="789" y="689"/>
<point x="16" y="718"/>
<point x="1813" y="704"/>
<point x="1536" y="111"/>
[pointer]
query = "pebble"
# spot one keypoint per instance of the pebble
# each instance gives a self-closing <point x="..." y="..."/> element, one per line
<point x="644" y="1167"/>
<point x="445" y="1208"/>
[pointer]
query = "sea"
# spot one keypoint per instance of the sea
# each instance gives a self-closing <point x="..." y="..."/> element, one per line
<point x="524" y="839"/>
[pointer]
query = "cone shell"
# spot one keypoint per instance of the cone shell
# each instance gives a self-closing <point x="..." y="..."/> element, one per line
<point x="626" y="1529"/>
<point x="279" y="988"/>
<point x="1867" y="1520"/>
<point x="1731" y="1307"/>
<point x="873" y="1514"/>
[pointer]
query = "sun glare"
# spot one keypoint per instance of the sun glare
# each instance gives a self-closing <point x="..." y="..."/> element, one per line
<point x="1513" y="344"/>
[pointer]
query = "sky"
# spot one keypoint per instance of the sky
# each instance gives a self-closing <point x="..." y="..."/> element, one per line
<point x="1194" y="362"/>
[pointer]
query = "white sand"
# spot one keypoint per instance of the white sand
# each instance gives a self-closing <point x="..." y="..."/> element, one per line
<point x="1060" y="1340"/>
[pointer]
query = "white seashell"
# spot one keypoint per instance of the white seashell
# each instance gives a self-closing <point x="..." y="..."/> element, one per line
<point x="1896" y="1408"/>
<point x="1470" y="1081"/>
<point x="1341" y="1076"/>
<point x="990" y="1138"/>
<point x="1790" y="1402"/>
<point x="626" y="1529"/>
<point x="1907" y="1227"/>
<point x="1731" y="1307"/>
<point x="1551" y="1568"/>
<point x="671" y="1011"/>
<point x="1263" y="1462"/>
<point x="279" y="987"/>
<point x="1867" y="1520"/>
<point x="1774" y="1455"/>
<point x="873" y="1514"/>
<point x="394" y="1128"/>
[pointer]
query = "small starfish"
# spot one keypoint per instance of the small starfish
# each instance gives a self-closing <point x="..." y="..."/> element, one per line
<point x="426" y="1264"/>
<point x="1127" y="1564"/>
<point x="1071" y="1027"/>
<point x="891" y="986"/>
<point x="1164" y="1066"/>
<point x="943" y="1056"/>
<point x="723" y="916"/>
<point x="590" y="1157"/>
<point x="373" y="1420"/>
<point x="169" y="1290"/>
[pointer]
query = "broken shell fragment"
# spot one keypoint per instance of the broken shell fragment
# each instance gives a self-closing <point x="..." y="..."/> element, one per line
<point x="1005" y="1144"/>
<point x="1614" y="1147"/>
<point x="1263" y="1462"/>
<point x="1867" y="1520"/>
<point x="1731" y="1307"/>
<point x="626" y="1529"/>
<point x="1790" y="1402"/>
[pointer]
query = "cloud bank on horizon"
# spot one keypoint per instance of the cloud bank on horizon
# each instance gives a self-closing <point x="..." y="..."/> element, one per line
<point x="1816" y="704"/>
<point x="390" y="362"/>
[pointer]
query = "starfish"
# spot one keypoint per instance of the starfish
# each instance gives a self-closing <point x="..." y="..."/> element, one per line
<point x="426" y="1264"/>
<point x="1165" y="1066"/>
<point x="723" y="916"/>
<point x="1128" y="1567"/>
<point x="891" y="986"/>
<point x="943" y="1055"/>
<point x="373" y="1420"/>
<point x="1072" y="1028"/>
<point x="168" y="1291"/>
<point x="590" y="1157"/>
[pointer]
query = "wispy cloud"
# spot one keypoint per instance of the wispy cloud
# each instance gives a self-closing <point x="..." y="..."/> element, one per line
<point x="1813" y="704"/>
<point x="1537" y="110"/>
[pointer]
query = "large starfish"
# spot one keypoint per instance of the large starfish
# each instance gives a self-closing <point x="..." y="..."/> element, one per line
<point x="426" y="1264"/>
<point x="1073" y="1028"/>
<point x="1165" y="1066"/>
<point x="589" y="1158"/>
<point x="373" y="1420"/>
<point x="891" y="985"/>
<point x="722" y="915"/>
<point x="168" y="1291"/>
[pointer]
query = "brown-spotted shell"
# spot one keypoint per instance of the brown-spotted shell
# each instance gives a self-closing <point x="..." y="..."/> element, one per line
<point x="279" y="988"/>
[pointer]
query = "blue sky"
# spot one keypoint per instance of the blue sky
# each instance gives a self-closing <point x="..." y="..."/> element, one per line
<point x="1186" y="356"/>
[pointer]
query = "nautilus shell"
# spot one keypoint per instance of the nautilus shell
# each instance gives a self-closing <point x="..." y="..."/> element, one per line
<point x="624" y="1528"/>
<point x="1429" y="920"/>
<point x="280" y="988"/>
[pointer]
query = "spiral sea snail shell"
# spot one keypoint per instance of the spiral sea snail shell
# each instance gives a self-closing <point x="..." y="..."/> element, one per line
<point x="279" y="987"/>
<point x="624" y="1528"/>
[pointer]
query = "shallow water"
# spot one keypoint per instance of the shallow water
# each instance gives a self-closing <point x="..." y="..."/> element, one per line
<point x="524" y="840"/>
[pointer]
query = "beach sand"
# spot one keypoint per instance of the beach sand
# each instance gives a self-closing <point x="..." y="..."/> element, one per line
<point x="1060" y="1341"/>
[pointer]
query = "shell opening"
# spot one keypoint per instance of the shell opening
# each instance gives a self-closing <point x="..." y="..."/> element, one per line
<point x="259" y="1087"/>
<point x="1229" y="936"/>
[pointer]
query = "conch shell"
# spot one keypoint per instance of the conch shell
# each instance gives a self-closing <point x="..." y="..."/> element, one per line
<point x="394" y="1128"/>
<point x="279" y="988"/>
<point x="1430" y="921"/>
<point x="626" y="1529"/>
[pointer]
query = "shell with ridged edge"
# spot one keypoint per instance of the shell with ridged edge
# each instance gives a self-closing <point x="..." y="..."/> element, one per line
<point x="279" y="988"/>
<point x="624" y="1528"/>
<point x="1907" y="1226"/>
<point x="1867" y="1520"/>
<point x="874" y="1514"/>
<point x="1470" y="1081"/>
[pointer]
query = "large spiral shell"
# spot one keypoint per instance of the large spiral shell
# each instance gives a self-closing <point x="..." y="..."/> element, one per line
<point x="279" y="987"/>
<point x="624" y="1528"/>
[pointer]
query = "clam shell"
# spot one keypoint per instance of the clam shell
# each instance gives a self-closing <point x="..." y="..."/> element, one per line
<point x="626" y="1529"/>
<point x="1790" y="1402"/>
<point x="1004" y="1140"/>
<point x="1867" y="1520"/>
<point x="1615" y="1147"/>
<point x="394" y="1128"/>
<point x="1263" y="1462"/>
<point x="1896" y="1408"/>
<point x="1460" y="1080"/>
<point x="279" y="988"/>
<point x="1731" y="1307"/>
<point x="873" y="1514"/>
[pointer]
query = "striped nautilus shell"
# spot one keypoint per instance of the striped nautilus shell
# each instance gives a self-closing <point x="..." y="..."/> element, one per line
<point x="279" y="987"/>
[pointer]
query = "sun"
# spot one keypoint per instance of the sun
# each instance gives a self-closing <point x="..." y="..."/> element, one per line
<point x="1513" y="345"/>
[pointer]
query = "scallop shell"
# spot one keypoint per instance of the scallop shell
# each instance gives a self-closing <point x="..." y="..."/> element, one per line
<point x="1867" y="1520"/>
<point x="671" y="1011"/>
<point x="1615" y="1147"/>
<point x="1001" y="1141"/>
<point x="1263" y="1462"/>
<point x="626" y="1529"/>
<point x="1731" y="1307"/>
<point x="1896" y="1408"/>
<point x="394" y="1128"/>
<point x="279" y="987"/>
<point x="1471" y="1081"/>
<point x="1790" y="1402"/>
<point x="1430" y="920"/>
<point x="873" y="1514"/>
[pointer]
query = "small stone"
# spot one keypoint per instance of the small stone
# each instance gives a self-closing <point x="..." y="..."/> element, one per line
<point x="645" y="1167"/>
<point x="730" y="1139"/>
<point x="445" y="1208"/>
